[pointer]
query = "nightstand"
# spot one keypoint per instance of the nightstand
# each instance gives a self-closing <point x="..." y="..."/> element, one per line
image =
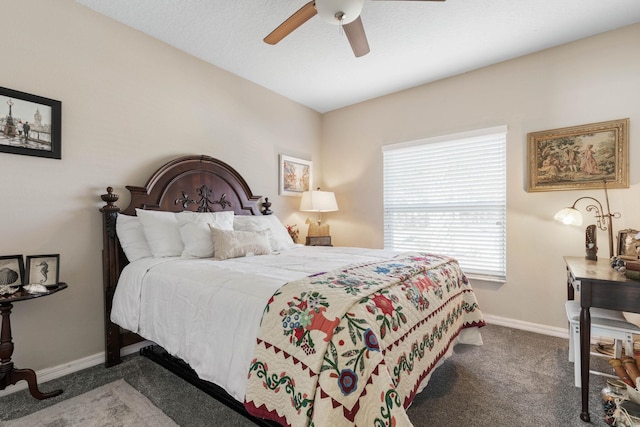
<point x="318" y="241"/>
<point x="9" y="374"/>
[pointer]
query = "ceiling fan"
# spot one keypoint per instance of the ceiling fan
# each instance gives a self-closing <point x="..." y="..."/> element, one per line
<point x="345" y="13"/>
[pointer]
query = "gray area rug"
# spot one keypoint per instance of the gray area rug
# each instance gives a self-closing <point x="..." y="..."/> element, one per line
<point x="516" y="379"/>
<point x="113" y="404"/>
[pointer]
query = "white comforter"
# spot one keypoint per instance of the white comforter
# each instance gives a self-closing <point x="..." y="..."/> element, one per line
<point x="208" y="312"/>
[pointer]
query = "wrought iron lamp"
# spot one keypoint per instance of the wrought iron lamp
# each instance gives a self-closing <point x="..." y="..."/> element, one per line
<point x="572" y="216"/>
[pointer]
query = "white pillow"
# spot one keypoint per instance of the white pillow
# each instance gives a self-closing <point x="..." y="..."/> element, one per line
<point x="234" y="244"/>
<point x="131" y="237"/>
<point x="195" y="232"/>
<point x="162" y="232"/>
<point x="280" y="239"/>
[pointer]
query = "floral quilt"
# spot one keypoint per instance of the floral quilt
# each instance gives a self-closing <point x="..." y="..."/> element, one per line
<point x="351" y="347"/>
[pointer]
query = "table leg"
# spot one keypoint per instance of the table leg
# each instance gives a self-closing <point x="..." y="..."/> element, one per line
<point x="30" y="377"/>
<point x="585" y="350"/>
<point x="10" y="375"/>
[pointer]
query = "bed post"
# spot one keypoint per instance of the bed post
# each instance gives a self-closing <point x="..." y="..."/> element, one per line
<point x="111" y="273"/>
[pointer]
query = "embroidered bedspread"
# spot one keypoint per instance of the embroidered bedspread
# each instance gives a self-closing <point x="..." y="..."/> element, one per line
<point x="351" y="346"/>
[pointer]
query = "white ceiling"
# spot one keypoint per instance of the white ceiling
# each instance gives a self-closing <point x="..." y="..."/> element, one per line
<point x="412" y="42"/>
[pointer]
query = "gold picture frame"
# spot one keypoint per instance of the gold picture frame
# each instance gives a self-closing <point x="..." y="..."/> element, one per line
<point x="628" y="244"/>
<point x="579" y="157"/>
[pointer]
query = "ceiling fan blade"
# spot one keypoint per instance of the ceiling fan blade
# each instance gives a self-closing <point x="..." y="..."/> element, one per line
<point x="303" y="14"/>
<point x="357" y="38"/>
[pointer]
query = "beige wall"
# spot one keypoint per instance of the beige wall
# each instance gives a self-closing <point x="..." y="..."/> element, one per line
<point x="129" y="104"/>
<point x="592" y="80"/>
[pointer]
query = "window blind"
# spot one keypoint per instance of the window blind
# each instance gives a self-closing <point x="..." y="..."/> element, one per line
<point x="447" y="195"/>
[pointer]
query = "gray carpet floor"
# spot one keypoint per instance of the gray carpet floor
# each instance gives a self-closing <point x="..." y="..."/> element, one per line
<point x="517" y="378"/>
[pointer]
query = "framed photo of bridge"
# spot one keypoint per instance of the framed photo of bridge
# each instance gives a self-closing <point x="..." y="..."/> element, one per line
<point x="29" y="124"/>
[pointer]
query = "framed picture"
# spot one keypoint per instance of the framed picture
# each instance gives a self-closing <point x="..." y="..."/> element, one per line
<point x="628" y="244"/>
<point x="29" y="124"/>
<point x="579" y="157"/>
<point x="11" y="270"/>
<point x="43" y="269"/>
<point x="295" y="176"/>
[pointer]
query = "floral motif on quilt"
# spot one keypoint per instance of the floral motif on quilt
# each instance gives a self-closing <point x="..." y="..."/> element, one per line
<point x="354" y="344"/>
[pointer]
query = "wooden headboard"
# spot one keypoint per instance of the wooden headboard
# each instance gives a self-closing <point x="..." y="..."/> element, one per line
<point x="195" y="183"/>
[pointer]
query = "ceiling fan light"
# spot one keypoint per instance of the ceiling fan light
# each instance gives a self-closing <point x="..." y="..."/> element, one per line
<point x="349" y="9"/>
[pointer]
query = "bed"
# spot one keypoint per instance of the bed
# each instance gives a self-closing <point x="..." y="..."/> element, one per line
<point x="280" y="332"/>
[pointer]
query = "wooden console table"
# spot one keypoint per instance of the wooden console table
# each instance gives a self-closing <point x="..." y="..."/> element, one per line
<point x="9" y="374"/>
<point x="599" y="286"/>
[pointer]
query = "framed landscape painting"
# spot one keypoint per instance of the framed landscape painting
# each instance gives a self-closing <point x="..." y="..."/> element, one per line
<point x="295" y="176"/>
<point x="579" y="157"/>
<point x="29" y="124"/>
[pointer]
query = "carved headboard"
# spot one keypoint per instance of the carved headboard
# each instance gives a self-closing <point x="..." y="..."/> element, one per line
<point x="195" y="183"/>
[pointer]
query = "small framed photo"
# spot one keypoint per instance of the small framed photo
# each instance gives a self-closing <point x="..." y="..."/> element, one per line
<point x="29" y="124"/>
<point x="43" y="270"/>
<point x="628" y="244"/>
<point x="295" y="176"/>
<point x="11" y="270"/>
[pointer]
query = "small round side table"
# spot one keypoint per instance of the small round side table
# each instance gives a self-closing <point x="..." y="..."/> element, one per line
<point x="9" y="374"/>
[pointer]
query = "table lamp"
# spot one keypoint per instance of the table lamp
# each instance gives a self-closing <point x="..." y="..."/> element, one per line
<point x="572" y="216"/>
<point x="318" y="201"/>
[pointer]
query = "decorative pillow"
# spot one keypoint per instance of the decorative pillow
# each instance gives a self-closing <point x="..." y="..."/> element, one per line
<point x="131" y="237"/>
<point x="280" y="239"/>
<point x="234" y="244"/>
<point x="161" y="230"/>
<point x="195" y="232"/>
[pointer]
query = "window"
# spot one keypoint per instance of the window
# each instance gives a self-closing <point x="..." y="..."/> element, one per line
<point x="447" y="195"/>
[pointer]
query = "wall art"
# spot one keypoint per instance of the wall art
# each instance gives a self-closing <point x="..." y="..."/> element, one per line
<point x="579" y="157"/>
<point x="29" y="124"/>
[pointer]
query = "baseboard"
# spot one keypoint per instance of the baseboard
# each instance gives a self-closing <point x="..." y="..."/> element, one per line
<point x="527" y="326"/>
<point x="54" y="372"/>
<point x="59" y="371"/>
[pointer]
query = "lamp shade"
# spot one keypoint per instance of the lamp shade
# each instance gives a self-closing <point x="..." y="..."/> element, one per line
<point x="328" y="9"/>
<point x="318" y="201"/>
<point x="569" y="216"/>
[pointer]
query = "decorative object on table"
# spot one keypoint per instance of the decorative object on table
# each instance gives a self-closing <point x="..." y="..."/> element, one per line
<point x="591" y="242"/>
<point x="632" y="269"/>
<point x="43" y="270"/>
<point x="11" y="271"/>
<point x="295" y="176"/>
<point x="579" y="157"/>
<point x="35" y="288"/>
<point x="8" y="290"/>
<point x="572" y="216"/>
<point x="32" y="124"/>
<point x="318" y="201"/>
<point x="629" y="244"/>
<point x="618" y="264"/>
<point x="266" y="207"/>
<point x="293" y="232"/>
